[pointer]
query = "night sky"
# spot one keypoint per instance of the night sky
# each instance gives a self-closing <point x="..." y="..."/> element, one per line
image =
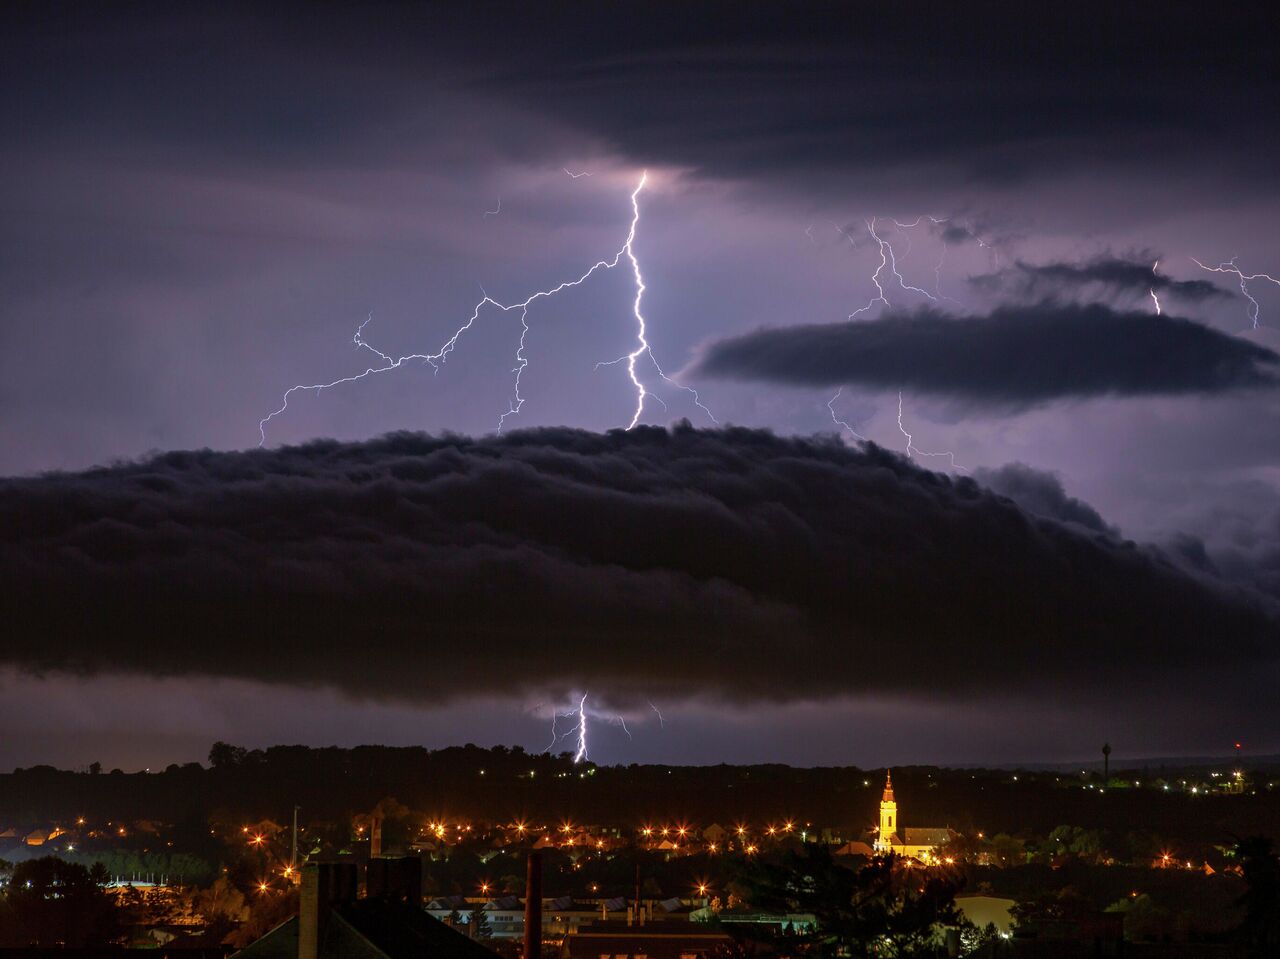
<point x="972" y="229"/>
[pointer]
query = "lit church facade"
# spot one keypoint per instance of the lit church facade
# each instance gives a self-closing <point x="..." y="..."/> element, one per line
<point x="916" y="843"/>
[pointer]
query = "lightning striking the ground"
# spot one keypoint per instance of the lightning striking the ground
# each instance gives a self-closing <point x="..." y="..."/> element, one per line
<point x="516" y="401"/>
<point x="1229" y="266"/>
<point x="578" y="730"/>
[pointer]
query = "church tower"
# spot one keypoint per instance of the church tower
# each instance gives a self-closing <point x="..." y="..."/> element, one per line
<point x="888" y="816"/>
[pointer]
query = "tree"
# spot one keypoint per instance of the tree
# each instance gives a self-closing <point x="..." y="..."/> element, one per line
<point x="95" y="769"/>
<point x="225" y="756"/>
<point x="55" y="903"/>
<point x="885" y="906"/>
<point x="454" y="919"/>
<point x="480" y="919"/>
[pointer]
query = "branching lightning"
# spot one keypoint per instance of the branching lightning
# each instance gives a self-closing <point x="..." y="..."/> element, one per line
<point x="516" y="401"/>
<point x="889" y="260"/>
<point x="575" y="176"/>
<point x="1229" y="266"/>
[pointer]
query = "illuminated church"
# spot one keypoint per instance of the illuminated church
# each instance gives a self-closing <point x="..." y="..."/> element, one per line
<point x="916" y="843"/>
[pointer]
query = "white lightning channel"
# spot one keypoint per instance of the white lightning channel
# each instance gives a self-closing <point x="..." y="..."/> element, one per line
<point x="1155" y="299"/>
<point x="1229" y="266"/>
<point x="642" y="343"/>
<point x="662" y="723"/>
<point x="913" y="450"/>
<point x="575" y="176"/>
<point x="494" y="212"/>
<point x="516" y="402"/>
<point x="831" y="405"/>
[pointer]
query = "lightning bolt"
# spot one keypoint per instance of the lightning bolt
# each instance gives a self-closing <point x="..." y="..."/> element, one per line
<point x="831" y="405"/>
<point x="913" y="450"/>
<point x="516" y="402"/>
<point x="1155" y="299"/>
<point x="579" y="729"/>
<point x="575" y="176"/>
<point x="888" y="260"/>
<point x="581" y="754"/>
<point x="494" y="212"/>
<point x="642" y="343"/>
<point x="1229" y="266"/>
<point x="662" y="723"/>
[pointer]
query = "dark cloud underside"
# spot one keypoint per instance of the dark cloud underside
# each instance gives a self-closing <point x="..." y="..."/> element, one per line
<point x="1014" y="356"/>
<point x="732" y="562"/>
<point x="1118" y="276"/>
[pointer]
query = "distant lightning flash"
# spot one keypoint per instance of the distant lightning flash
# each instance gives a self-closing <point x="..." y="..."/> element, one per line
<point x="575" y="176"/>
<point x="516" y="401"/>
<point x="1155" y="299"/>
<point x="661" y="722"/>
<point x="913" y="450"/>
<point x="494" y="212"/>
<point x="1229" y="266"/>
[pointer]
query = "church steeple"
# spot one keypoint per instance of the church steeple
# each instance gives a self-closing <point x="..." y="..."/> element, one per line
<point x="888" y="816"/>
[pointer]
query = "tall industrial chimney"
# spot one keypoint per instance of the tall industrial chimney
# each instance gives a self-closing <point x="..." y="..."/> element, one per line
<point x="533" y="908"/>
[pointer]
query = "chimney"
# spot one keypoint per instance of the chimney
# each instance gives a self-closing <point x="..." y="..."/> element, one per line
<point x="324" y="885"/>
<point x="399" y="879"/>
<point x="532" y="908"/>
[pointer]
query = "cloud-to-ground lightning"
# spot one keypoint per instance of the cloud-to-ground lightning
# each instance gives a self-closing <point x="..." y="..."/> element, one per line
<point x="494" y="212"/>
<point x="578" y="730"/>
<point x="575" y="176"/>
<point x="1155" y="299"/>
<point x="516" y="401"/>
<point x="913" y="450"/>
<point x="1229" y="266"/>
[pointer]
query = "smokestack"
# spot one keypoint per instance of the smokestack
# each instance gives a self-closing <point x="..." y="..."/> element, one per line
<point x="533" y="908"/>
<point x="323" y="886"/>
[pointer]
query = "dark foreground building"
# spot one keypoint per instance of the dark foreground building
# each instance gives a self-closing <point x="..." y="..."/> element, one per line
<point x="333" y="924"/>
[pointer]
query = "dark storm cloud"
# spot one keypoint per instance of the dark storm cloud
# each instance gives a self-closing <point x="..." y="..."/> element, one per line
<point x="794" y="91"/>
<point x="1014" y="356"/>
<point x="1109" y="274"/>
<point x="1042" y="493"/>
<point x="731" y="563"/>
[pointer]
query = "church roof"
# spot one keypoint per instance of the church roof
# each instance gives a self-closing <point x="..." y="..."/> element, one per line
<point x="925" y="836"/>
